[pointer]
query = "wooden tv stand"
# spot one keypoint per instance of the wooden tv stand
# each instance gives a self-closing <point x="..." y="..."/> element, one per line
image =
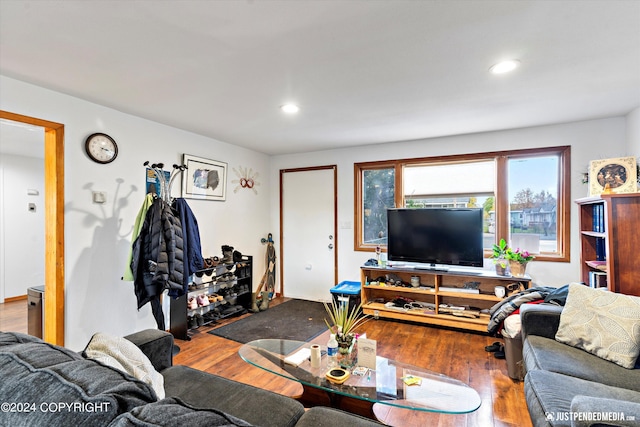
<point x="440" y="289"/>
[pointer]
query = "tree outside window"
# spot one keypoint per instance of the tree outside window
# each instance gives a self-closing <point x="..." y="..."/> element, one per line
<point x="378" y="195"/>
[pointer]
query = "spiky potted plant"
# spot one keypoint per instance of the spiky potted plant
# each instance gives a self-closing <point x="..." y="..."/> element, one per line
<point x="343" y="322"/>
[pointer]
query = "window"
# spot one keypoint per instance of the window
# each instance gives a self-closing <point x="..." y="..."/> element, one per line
<point x="523" y="193"/>
<point x="378" y="194"/>
<point x="533" y="195"/>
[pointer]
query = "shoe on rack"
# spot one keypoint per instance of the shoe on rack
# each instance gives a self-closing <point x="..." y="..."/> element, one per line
<point x="227" y="254"/>
<point x="193" y="303"/>
<point x="199" y="319"/>
<point x="193" y="322"/>
<point x="202" y="300"/>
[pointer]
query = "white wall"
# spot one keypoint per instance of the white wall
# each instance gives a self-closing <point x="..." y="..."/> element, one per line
<point x="589" y="140"/>
<point x="633" y="133"/>
<point x="97" y="237"/>
<point x="22" y="243"/>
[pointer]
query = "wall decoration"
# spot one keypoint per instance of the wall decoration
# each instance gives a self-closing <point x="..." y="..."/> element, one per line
<point x="247" y="178"/>
<point x="204" y="179"/>
<point x="617" y="175"/>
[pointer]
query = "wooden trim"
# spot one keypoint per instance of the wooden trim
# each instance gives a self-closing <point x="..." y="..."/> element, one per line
<point x="54" y="268"/>
<point x="501" y="199"/>
<point x="18" y="298"/>
<point x="335" y="224"/>
<point x="335" y="218"/>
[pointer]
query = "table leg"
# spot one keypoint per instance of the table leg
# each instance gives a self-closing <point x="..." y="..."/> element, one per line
<point x="312" y="396"/>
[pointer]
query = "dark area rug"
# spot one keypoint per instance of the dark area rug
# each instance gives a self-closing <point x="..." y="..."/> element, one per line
<point x="295" y="319"/>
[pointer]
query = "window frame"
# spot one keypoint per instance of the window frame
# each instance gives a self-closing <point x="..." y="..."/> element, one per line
<point x="501" y="159"/>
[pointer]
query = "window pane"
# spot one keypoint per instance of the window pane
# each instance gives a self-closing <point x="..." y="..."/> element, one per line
<point x="451" y="178"/>
<point x="454" y="185"/>
<point x="533" y="195"/>
<point x="378" y="195"/>
<point x="464" y="201"/>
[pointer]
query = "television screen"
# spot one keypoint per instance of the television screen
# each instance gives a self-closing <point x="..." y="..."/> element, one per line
<point x="447" y="236"/>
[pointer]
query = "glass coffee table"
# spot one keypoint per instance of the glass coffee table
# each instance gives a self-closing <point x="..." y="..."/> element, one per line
<point x="385" y="385"/>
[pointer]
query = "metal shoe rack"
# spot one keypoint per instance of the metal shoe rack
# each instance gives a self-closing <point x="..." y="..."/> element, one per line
<point x="232" y="282"/>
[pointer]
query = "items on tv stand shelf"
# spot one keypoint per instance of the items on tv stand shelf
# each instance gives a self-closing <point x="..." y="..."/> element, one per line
<point x="214" y="293"/>
<point x="609" y="241"/>
<point x="458" y="299"/>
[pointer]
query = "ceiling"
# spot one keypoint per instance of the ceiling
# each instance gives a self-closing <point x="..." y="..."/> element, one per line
<point x="363" y="72"/>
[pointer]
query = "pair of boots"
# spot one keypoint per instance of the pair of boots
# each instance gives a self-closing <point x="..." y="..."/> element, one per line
<point x="264" y="302"/>
<point x="227" y="254"/>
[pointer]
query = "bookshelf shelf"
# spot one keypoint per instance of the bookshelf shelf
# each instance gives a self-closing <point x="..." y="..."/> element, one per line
<point x="609" y="239"/>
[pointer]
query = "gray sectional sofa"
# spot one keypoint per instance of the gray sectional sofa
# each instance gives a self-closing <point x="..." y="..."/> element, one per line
<point x="567" y="386"/>
<point x="42" y="384"/>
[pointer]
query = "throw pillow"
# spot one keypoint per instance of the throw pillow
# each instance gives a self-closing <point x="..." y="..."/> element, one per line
<point x="602" y="323"/>
<point x="124" y="355"/>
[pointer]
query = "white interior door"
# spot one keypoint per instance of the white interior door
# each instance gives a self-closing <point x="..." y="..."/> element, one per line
<point x="309" y="251"/>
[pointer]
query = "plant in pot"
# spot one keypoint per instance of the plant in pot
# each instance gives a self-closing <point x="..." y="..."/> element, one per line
<point x="499" y="257"/>
<point x="343" y="322"/>
<point x="518" y="260"/>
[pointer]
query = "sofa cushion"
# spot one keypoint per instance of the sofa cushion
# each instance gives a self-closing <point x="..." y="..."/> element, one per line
<point x="319" y="416"/>
<point x="122" y="354"/>
<point x="61" y="387"/>
<point x="203" y="390"/>
<point x="549" y="396"/>
<point x="172" y="412"/>
<point x="603" y="323"/>
<point x="550" y="355"/>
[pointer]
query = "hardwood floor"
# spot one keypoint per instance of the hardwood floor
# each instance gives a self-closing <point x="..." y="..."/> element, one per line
<point x="454" y="353"/>
<point x="13" y="316"/>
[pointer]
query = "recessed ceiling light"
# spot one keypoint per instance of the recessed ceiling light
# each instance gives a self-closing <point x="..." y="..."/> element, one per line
<point x="505" y="66"/>
<point x="290" y="108"/>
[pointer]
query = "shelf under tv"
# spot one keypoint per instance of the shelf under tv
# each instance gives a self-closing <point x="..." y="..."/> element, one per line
<point x="437" y="287"/>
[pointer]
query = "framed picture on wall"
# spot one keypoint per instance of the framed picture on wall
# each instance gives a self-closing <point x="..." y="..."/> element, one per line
<point x="204" y="179"/>
<point x="619" y="175"/>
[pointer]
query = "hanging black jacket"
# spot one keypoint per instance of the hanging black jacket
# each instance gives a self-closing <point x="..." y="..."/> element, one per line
<point x="157" y="261"/>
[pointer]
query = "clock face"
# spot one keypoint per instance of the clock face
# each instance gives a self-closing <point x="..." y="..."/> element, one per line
<point x="101" y="148"/>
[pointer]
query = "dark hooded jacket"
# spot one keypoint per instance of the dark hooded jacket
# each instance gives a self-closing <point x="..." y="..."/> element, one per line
<point x="157" y="261"/>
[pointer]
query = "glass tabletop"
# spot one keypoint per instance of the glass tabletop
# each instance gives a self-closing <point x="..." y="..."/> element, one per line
<point x="387" y="384"/>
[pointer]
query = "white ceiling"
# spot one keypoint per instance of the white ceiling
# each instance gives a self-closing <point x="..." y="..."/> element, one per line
<point x="362" y="72"/>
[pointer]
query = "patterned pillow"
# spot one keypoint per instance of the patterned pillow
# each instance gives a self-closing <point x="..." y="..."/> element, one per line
<point x="122" y="354"/>
<point x="602" y="323"/>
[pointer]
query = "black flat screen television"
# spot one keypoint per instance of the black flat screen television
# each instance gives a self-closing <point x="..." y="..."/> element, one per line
<point x="444" y="236"/>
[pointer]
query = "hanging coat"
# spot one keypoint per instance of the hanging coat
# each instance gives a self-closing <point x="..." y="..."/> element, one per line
<point x="193" y="260"/>
<point x="157" y="261"/>
<point x="137" y="226"/>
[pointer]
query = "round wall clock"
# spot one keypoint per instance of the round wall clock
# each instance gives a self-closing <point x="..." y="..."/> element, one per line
<point x="101" y="148"/>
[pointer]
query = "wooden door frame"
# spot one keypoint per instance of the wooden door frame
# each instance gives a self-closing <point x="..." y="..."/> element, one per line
<point x="54" y="224"/>
<point x="335" y="219"/>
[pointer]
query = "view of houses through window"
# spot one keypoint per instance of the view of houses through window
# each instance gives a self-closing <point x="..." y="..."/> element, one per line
<point x="533" y="182"/>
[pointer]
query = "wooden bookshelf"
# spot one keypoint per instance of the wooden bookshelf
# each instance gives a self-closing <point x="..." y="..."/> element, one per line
<point x="610" y="240"/>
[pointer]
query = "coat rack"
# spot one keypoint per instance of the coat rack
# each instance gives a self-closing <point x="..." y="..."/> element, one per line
<point x="158" y="170"/>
